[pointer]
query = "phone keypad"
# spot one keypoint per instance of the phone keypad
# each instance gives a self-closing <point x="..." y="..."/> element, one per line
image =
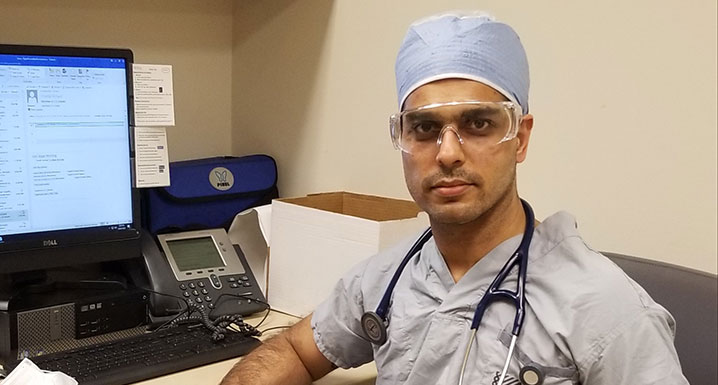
<point x="197" y="290"/>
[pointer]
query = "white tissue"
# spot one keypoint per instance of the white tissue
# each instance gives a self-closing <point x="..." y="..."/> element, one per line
<point x="28" y="373"/>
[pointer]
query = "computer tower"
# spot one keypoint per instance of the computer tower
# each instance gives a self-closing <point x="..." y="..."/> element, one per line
<point x="66" y="319"/>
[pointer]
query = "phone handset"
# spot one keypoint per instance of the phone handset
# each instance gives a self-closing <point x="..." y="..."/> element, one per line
<point x="202" y="267"/>
<point x="160" y="279"/>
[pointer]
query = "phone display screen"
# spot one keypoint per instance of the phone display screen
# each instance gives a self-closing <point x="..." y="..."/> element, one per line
<point x="195" y="253"/>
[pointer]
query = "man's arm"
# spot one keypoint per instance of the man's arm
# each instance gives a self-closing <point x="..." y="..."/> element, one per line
<point x="291" y="358"/>
<point x="641" y="353"/>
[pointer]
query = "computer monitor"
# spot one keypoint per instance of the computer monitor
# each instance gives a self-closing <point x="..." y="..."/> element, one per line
<point x="66" y="158"/>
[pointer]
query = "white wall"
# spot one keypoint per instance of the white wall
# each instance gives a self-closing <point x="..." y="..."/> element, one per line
<point x="623" y="92"/>
<point x="624" y="95"/>
<point x="195" y="36"/>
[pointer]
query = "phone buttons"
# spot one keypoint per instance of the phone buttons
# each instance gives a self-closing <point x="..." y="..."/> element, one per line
<point x="214" y="280"/>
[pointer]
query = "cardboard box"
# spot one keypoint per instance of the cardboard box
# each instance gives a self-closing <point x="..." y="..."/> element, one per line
<point x="316" y="239"/>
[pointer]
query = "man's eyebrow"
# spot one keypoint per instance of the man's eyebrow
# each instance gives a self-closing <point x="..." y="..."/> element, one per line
<point x="476" y="109"/>
<point x="422" y="115"/>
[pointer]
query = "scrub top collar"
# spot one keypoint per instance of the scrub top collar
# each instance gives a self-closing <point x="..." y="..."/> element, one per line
<point x="547" y="235"/>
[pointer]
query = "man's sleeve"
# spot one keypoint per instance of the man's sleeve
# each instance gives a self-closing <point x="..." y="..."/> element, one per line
<point x="336" y="323"/>
<point x="640" y="352"/>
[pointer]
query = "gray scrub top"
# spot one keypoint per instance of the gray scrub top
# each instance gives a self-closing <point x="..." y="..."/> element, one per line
<point x="586" y="321"/>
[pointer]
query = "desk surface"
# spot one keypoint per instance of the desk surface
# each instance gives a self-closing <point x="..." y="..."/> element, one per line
<point x="213" y="373"/>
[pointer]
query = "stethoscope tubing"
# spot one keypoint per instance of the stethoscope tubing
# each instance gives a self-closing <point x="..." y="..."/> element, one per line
<point x="383" y="306"/>
<point x="518" y="258"/>
<point x="375" y="323"/>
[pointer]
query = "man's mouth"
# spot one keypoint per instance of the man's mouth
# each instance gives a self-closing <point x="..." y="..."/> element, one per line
<point x="451" y="188"/>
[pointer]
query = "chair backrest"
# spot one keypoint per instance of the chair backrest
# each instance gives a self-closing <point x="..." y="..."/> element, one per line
<point x="692" y="298"/>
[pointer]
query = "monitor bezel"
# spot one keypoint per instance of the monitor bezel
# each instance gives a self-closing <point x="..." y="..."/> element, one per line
<point x="52" y="249"/>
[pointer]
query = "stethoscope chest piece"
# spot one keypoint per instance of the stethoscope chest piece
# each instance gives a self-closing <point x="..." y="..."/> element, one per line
<point x="530" y="375"/>
<point x="374" y="327"/>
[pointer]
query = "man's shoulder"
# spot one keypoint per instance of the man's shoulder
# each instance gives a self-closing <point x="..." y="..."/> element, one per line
<point x="594" y="296"/>
<point x="566" y="262"/>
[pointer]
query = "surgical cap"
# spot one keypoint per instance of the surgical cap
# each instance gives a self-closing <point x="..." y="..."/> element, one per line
<point x="468" y="46"/>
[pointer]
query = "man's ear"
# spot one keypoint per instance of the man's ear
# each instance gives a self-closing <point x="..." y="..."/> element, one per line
<point x="524" y="134"/>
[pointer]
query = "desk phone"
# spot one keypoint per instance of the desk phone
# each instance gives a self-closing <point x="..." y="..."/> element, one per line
<point x="203" y="267"/>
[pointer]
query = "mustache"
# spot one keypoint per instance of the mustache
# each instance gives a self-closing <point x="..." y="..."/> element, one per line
<point x="453" y="174"/>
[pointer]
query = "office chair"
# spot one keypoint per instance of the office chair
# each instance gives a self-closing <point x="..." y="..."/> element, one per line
<point x="692" y="298"/>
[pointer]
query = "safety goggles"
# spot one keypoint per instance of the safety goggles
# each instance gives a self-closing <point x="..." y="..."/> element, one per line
<point x="477" y="125"/>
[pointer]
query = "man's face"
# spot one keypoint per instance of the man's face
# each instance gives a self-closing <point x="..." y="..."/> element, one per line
<point x="455" y="185"/>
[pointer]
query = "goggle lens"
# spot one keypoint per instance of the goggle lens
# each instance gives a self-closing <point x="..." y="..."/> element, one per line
<point x="476" y="124"/>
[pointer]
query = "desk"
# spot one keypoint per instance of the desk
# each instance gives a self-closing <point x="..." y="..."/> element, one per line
<point x="213" y="373"/>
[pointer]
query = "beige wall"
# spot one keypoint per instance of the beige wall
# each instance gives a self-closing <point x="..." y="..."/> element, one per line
<point x="624" y="95"/>
<point x="194" y="36"/>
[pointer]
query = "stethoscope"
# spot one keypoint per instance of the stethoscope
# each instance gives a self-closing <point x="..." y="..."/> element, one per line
<point x="375" y="323"/>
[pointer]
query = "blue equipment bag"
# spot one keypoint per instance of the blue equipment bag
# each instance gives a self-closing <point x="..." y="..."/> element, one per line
<point x="208" y="193"/>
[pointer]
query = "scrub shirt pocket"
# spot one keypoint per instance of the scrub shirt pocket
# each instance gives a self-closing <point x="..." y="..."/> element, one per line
<point x="443" y="339"/>
<point x="552" y="372"/>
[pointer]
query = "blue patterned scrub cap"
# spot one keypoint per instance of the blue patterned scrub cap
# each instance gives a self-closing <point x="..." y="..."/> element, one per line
<point x="463" y="45"/>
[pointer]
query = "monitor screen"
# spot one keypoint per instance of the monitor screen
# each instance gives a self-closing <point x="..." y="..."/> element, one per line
<point x="65" y="147"/>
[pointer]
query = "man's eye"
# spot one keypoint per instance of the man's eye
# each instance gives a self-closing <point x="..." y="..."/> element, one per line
<point x="425" y="126"/>
<point x="424" y="129"/>
<point x="478" y="126"/>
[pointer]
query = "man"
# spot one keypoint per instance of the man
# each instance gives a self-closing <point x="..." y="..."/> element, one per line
<point x="462" y="84"/>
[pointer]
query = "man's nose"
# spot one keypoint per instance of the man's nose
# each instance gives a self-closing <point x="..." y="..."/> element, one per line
<point x="451" y="152"/>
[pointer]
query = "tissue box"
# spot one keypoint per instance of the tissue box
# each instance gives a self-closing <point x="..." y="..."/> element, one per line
<point x="317" y="238"/>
